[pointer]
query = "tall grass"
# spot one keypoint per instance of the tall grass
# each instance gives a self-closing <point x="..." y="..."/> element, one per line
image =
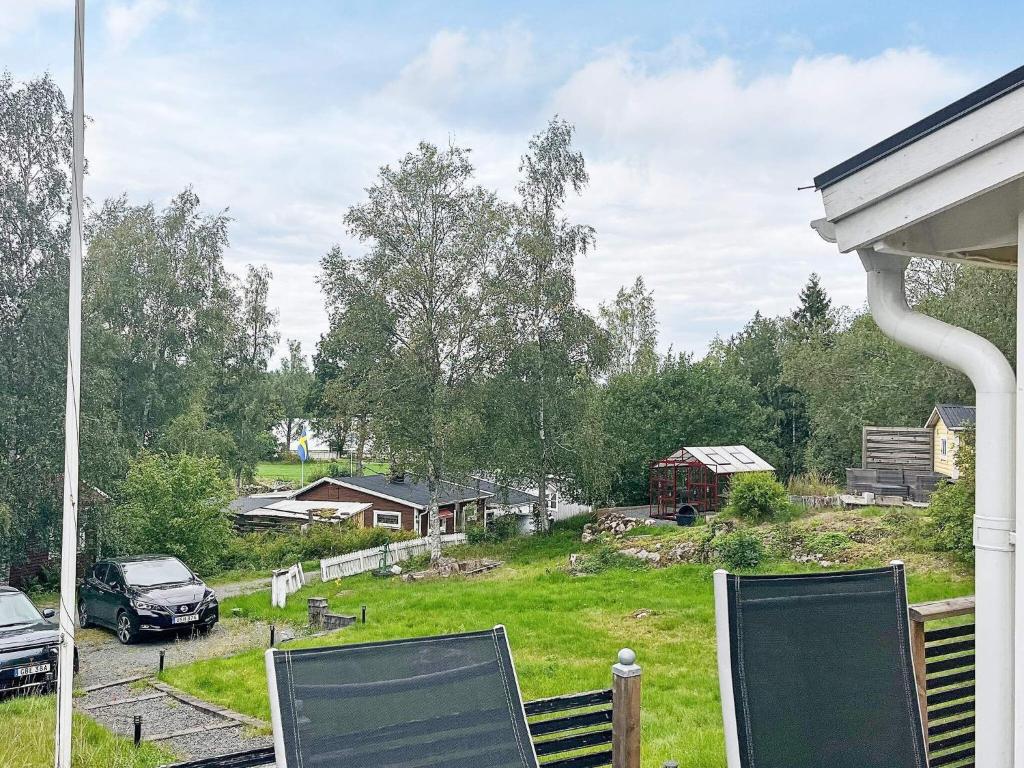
<point x="813" y="483"/>
<point x="26" y="739"/>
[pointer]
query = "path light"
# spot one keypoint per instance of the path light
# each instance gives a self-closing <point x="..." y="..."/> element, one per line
<point x="364" y="614"/>
<point x="137" y="722"/>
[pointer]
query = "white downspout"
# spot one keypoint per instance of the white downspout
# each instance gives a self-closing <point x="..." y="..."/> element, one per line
<point x="994" y="381"/>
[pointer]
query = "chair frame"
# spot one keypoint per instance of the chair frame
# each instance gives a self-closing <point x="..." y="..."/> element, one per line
<point x="725" y="676"/>
<point x="277" y="722"/>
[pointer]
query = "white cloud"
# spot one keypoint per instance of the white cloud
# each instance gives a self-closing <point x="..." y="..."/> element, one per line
<point x="19" y="15"/>
<point x="457" y="66"/>
<point x="695" y="169"/>
<point x="694" y="162"/>
<point x="127" y="21"/>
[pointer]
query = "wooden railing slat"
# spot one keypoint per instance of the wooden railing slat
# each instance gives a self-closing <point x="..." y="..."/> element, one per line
<point x="568" y="702"/>
<point x="571" y="723"/>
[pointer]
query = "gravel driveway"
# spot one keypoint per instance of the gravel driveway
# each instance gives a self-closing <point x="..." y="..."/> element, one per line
<point x="189" y="731"/>
<point x="104" y="660"/>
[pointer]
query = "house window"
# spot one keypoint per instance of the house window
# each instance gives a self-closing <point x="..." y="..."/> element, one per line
<point x="552" y="499"/>
<point x="942" y="450"/>
<point x="382" y="519"/>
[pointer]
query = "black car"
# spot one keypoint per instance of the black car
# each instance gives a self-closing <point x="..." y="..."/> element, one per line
<point x="28" y="645"/>
<point x="132" y="595"/>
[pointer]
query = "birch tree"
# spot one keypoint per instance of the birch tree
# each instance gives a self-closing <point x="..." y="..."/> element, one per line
<point x="549" y="340"/>
<point x="432" y="239"/>
<point x="632" y="328"/>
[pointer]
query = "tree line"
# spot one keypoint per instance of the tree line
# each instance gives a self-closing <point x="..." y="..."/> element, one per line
<point x="456" y="343"/>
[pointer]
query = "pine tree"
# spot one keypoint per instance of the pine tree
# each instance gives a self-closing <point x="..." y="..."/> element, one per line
<point x="813" y="318"/>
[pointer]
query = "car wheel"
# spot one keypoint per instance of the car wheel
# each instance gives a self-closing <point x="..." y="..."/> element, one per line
<point x="83" y="616"/>
<point x="126" y="631"/>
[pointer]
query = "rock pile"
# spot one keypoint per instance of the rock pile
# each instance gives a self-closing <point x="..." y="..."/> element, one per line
<point x="614" y="523"/>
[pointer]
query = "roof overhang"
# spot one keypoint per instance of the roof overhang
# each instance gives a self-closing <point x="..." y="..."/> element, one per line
<point x="948" y="187"/>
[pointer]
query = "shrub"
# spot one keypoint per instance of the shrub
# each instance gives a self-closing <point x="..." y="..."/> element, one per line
<point x="952" y="506"/>
<point x="757" y="497"/>
<point x="740" y="549"/>
<point x="276" y="549"/>
<point x="174" y="505"/>
<point x="500" y="528"/>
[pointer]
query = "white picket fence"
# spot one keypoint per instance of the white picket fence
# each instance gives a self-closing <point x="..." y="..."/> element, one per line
<point x="284" y="582"/>
<point x="367" y="559"/>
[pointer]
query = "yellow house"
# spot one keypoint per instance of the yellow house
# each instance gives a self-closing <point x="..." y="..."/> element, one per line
<point x="946" y="424"/>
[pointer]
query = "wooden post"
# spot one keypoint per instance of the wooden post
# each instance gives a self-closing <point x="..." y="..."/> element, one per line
<point x="626" y="711"/>
<point x="920" y="671"/>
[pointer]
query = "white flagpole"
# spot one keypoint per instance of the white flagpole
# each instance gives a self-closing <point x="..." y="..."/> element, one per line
<point x="69" y="538"/>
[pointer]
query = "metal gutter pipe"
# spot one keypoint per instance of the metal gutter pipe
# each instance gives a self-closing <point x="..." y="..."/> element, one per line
<point x="995" y="384"/>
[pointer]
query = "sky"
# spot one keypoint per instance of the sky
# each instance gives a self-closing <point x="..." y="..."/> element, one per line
<point x="699" y="122"/>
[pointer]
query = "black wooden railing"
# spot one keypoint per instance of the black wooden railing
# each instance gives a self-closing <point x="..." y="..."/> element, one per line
<point x="572" y="731"/>
<point x="943" y="636"/>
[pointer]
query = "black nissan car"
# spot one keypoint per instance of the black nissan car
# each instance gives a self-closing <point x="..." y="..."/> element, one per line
<point x="149" y="593"/>
<point x="28" y="645"/>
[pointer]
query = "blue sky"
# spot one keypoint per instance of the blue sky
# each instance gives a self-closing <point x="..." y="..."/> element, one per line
<point x="698" y="120"/>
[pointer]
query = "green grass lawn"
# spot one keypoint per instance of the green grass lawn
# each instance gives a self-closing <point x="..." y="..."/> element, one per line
<point x="565" y="632"/>
<point x="278" y="470"/>
<point x="26" y="739"/>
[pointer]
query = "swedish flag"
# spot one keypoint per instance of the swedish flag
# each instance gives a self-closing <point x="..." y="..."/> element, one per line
<point x="303" y="447"/>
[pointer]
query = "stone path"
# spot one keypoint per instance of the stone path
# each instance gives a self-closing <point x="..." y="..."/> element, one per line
<point x="188" y="727"/>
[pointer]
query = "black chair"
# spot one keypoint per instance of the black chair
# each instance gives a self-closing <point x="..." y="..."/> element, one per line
<point x="448" y="701"/>
<point x="816" y="671"/>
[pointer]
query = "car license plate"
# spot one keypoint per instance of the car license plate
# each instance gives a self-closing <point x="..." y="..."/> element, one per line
<point x="35" y="669"/>
<point x="186" y="619"/>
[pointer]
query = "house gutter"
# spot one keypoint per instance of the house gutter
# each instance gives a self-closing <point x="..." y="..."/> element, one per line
<point x="995" y="384"/>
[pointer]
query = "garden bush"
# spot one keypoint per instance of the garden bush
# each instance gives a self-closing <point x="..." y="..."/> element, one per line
<point x="277" y="549"/>
<point x="952" y="506"/>
<point x="499" y="529"/>
<point x="740" y="549"/>
<point x="757" y="497"/>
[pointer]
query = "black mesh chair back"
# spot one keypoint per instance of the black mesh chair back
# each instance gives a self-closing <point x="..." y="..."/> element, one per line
<point x="448" y="701"/>
<point x="816" y="671"/>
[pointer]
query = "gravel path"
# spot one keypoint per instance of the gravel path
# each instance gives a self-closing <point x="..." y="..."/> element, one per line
<point x="187" y="731"/>
<point x="104" y="660"/>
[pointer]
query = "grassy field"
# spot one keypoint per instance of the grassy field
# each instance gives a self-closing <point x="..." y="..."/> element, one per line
<point x="277" y="470"/>
<point x="565" y="632"/>
<point x="26" y="740"/>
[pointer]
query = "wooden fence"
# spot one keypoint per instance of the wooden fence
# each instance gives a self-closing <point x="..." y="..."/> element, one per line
<point x="896" y="448"/>
<point x="368" y="559"/>
<point x="284" y="582"/>
<point x="944" y="668"/>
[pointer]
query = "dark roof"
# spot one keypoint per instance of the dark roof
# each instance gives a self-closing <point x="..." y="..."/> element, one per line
<point x="244" y="504"/>
<point x="410" y="490"/>
<point x="920" y="129"/>
<point x="956" y="416"/>
<point x="504" y="494"/>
